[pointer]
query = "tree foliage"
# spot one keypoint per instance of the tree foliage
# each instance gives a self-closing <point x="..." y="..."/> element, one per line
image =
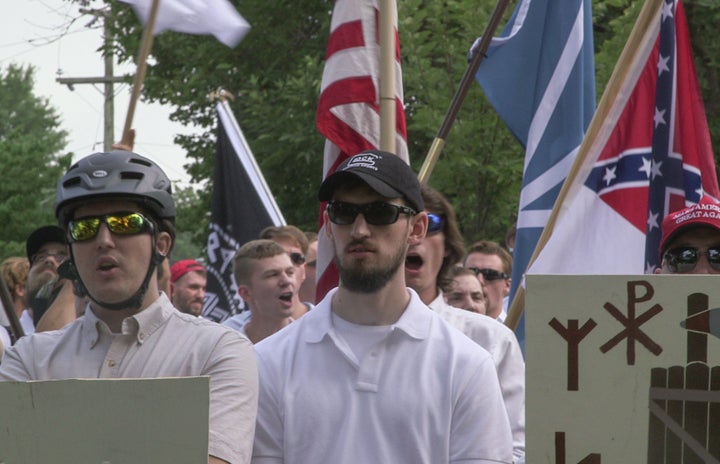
<point x="275" y="74"/>
<point x="31" y="142"/>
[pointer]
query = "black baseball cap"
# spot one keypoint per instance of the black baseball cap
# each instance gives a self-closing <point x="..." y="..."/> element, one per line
<point x="383" y="172"/>
<point x="41" y="236"/>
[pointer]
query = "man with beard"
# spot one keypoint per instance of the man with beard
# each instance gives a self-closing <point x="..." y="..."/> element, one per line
<point x="371" y="374"/>
<point x="188" y="279"/>
<point x="46" y="249"/>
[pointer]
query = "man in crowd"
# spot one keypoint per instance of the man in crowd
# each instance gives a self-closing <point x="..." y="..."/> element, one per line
<point x="46" y="249"/>
<point x="427" y="268"/>
<point x="187" y="286"/>
<point x="309" y="285"/>
<point x="295" y="243"/>
<point x="690" y="241"/>
<point x="370" y="374"/>
<point x="265" y="276"/>
<point x="463" y="290"/>
<point x="492" y="265"/>
<point x="119" y="215"/>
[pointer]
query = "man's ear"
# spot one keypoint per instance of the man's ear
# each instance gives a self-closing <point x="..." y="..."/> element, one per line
<point x="418" y="228"/>
<point x="244" y="292"/>
<point x="326" y="221"/>
<point x="163" y="243"/>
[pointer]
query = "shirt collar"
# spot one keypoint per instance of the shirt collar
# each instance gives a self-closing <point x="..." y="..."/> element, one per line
<point x="140" y="325"/>
<point x="415" y="321"/>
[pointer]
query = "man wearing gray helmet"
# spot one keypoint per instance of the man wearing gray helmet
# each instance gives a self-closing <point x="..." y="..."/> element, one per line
<point x="118" y="213"/>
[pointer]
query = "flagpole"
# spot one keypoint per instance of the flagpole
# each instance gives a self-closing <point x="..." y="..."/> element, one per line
<point x="478" y="54"/>
<point x="9" y="308"/>
<point x="145" y="47"/>
<point x="649" y="13"/>
<point x="388" y="115"/>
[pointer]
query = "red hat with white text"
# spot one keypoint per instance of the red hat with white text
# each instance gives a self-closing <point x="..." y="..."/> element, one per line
<point x="705" y="213"/>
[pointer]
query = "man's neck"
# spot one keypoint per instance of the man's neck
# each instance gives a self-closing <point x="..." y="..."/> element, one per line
<point x="383" y="307"/>
<point x="115" y="317"/>
<point x="299" y="308"/>
<point x="260" y="327"/>
<point x="428" y="294"/>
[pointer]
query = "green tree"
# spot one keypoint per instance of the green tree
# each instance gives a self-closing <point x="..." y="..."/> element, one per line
<point x="275" y="74"/>
<point x="31" y="142"/>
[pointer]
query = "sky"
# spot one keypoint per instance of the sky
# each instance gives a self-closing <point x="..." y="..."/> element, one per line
<point x="58" y="40"/>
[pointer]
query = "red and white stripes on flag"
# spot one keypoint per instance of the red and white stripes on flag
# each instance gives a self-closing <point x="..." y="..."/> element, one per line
<point x="348" y="112"/>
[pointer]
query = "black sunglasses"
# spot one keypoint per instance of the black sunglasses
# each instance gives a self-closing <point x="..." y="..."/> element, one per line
<point x="297" y="259"/>
<point x="682" y="260"/>
<point x="377" y="213"/>
<point x="121" y="223"/>
<point x="489" y="274"/>
<point x="436" y="222"/>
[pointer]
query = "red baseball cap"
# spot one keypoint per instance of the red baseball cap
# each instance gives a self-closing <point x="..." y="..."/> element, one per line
<point x="705" y="213"/>
<point x="184" y="266"/>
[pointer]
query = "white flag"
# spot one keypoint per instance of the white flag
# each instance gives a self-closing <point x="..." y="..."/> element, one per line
<point x="202" y="17"/>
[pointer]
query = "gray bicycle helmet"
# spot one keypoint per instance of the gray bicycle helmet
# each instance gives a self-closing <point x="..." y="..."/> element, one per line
<point x="115" y="174"/>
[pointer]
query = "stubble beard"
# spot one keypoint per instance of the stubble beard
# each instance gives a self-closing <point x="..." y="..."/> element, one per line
<point x="361" y="279"/>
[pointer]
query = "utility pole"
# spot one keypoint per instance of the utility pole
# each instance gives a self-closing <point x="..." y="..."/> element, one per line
<point x="109" y="79"/>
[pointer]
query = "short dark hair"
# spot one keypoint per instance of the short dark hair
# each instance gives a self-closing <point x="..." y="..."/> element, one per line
<point x="251" y="251"/>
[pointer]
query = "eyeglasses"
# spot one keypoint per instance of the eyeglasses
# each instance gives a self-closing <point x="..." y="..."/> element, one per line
<point x="122" y="223"/>
<point x="297" y="259"/>
<point x="377" y="213"/>
<point x="436" y="222"/>
<point x="489" y="274"/>
<point x="58" y="256"/>
<point x="684" y="259"/>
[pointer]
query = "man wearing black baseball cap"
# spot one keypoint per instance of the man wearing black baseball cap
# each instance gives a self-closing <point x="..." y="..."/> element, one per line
<point x="372" y="360"/>
<point x="46" y="249"/>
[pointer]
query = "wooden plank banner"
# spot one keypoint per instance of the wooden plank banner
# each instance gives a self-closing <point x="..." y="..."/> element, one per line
<point x="623" y="369"/>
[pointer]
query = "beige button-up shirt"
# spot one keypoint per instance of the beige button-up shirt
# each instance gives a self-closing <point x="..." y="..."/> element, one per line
<point x="157" y="342"/>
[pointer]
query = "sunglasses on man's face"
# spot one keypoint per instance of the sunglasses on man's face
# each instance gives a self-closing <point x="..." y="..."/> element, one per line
<point x="122" y="223"/>
<point x="436" y="222"/>
<point x="682" y="260"/>
<point x="377" y="213"/>
<point x="489" y="274"/>
<point x="297" y="259"/>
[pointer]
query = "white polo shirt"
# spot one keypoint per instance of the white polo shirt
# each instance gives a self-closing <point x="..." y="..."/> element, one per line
<point x="503" y="346"/>
<point x="423" y="394"/>
<point x="159" y="341"/>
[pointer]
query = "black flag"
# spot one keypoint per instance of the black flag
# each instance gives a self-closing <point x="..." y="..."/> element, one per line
<point x="242" y="206"/>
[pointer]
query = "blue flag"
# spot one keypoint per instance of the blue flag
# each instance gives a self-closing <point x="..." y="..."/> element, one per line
<point x="540" y="77"/>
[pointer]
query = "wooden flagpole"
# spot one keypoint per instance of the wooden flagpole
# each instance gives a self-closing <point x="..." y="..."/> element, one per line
<point x="638" y="35"/>
<point x="478" y="54"/>
<point x="145" y="47"/>
<point x="9" y="308"/>
<point x="388" y="116"/>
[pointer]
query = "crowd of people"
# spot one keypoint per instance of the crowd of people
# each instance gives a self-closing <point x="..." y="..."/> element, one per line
<point x="407" y="360"/>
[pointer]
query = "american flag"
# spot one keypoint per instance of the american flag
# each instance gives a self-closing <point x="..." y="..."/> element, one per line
<point x="348" y="113"/>
<point x="650" y="154"/>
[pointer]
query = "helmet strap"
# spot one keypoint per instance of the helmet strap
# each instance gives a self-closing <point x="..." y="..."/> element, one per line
<point x="135" y="301"/>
